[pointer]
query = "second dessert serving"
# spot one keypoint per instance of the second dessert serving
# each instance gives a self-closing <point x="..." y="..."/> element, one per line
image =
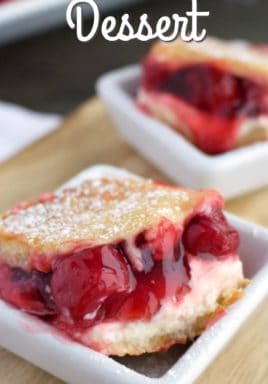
<point x="215" y="93"/>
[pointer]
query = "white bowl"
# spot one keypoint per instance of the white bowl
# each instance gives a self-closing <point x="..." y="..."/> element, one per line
<point x="233" y="173"/>
<point x="47" y="348"/>
<point x="21" y="18"/>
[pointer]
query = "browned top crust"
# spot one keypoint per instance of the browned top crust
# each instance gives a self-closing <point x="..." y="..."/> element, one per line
<point x="98" y="211"/>
<point x="240" y="57"/>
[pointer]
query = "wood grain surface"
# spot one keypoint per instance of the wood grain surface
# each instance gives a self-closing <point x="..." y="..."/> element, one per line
<point x="88" y="137"/>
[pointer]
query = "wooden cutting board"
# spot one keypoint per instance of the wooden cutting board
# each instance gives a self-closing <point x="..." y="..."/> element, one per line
<point x="88" y="137"/>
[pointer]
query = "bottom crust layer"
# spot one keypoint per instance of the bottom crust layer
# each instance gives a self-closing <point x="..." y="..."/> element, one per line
<point x="175" y="323"/>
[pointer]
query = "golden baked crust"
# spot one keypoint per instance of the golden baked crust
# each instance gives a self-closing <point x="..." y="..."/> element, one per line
<point x="240" y="57"/>
<point x="98" y="211"/>
<point x="164" y="339"/>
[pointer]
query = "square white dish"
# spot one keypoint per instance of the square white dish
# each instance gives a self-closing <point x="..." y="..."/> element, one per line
<point x="45" y="347"/>
<point x="233" y="173"/>
<point x="20" y="18"/>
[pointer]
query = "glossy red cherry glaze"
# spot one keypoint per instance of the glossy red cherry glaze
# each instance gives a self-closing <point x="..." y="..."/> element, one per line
<point x="101" y="284"/>
<point x="29" y="291"/>
<point x="213" y="235"/>
<point x="81" y="283"/>
<point x="208" y="98"/>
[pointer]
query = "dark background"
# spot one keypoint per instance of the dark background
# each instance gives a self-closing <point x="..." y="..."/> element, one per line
<point x="54" y="72"/>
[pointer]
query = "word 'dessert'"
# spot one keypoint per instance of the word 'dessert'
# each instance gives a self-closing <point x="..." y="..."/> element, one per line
<point x="167" y="28"/>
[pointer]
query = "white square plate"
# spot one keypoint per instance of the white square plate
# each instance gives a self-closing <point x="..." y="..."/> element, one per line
<point x="20" y="18"/>
<point x="45" y="347"/>
<point x="233" y="173"/>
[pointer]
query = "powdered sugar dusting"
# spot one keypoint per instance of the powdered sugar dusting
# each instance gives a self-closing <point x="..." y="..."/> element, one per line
<point x="98" y="211"/>
<point x="242" y="57"/>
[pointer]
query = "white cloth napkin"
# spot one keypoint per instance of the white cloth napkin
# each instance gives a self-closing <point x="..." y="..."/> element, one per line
<point x="20" y="127"/>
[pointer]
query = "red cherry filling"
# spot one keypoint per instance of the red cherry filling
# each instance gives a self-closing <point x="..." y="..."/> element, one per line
<point x="101" y="284"/>
<point x="208" y="88"/>
<point x="210" y="234"/>
<point x="161" y="240"/>
<point x="29" y="291"/>
<point x="166" y="278"/>
<point x="210" y="101"/>
<point x="81" y="283"/>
